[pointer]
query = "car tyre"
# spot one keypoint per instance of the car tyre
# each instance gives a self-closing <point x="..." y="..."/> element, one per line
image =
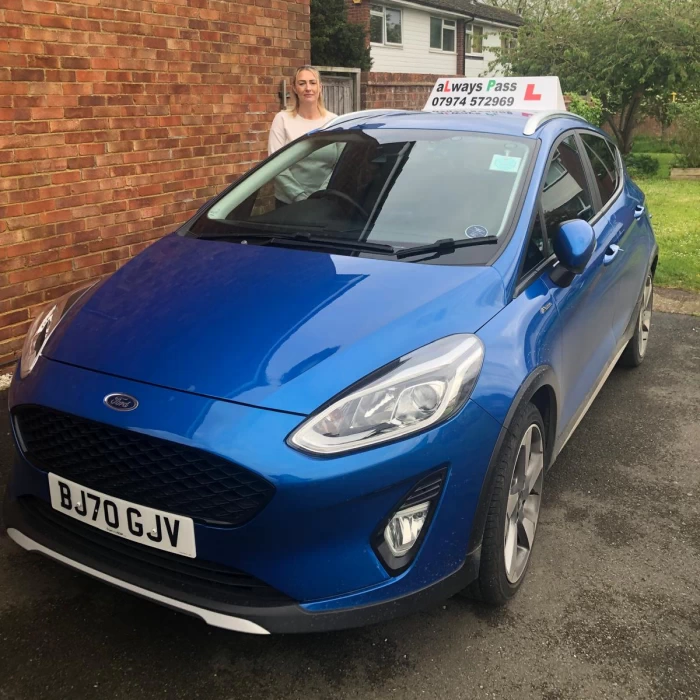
<point x="634" y="353"/>
<point x="511" y="523"/>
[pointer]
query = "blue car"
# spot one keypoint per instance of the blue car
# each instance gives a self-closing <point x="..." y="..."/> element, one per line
<point x="333" y="395"/>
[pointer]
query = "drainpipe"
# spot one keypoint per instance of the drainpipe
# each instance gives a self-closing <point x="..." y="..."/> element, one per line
<point x="461" y="54"/>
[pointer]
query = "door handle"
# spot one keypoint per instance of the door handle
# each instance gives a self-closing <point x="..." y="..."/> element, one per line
<point x="611" y="253"/>
<point x="639" y="211"/>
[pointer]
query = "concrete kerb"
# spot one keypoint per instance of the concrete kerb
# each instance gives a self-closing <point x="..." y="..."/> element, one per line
<point x="676" y="301"/>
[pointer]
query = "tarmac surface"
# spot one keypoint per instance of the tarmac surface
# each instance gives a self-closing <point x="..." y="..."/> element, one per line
<point x="610" y="609"/>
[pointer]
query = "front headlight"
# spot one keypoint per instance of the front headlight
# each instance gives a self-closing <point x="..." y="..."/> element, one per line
<point x="416" y="391"/>
<point x="44" y="325"/>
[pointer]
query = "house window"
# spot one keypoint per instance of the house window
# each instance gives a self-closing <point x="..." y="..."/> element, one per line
<point x="508" y="41"/>
<point x="384" y="25"/>
<point x="474" y="39"/>
<point x="442" y="34"/>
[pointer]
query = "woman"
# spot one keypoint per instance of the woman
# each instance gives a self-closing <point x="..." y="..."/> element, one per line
<point x="306" y="113"/>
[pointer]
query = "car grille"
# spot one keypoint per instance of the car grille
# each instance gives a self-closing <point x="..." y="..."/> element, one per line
<point x="139" y="468"/>
<point x="207" y="580"/>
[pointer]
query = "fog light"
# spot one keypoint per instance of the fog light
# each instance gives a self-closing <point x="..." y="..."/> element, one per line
<point x="404" y="528"/>
<point x="397" y="539"/>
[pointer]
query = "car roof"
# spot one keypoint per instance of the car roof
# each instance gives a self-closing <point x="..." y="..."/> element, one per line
<point x="504" y="123"/>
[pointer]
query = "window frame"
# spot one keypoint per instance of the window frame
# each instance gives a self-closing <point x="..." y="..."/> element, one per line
<point x="374" y="12"/>
<point x="525" y="279"/>
<point x="469" y="29"/>
<point x="509" y="40"/>
<point x="453" y="28"/>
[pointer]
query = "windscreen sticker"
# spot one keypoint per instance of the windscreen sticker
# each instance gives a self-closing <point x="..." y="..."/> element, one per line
<point x="475" y="231"/>
<point x="505" y="164"/>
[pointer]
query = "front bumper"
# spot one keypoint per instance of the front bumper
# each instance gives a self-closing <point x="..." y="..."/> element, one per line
<point x="276" y="619"/>
<point x="312" y="542"/>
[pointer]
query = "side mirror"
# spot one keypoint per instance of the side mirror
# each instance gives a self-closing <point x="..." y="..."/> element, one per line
<point x="574" y="243"/>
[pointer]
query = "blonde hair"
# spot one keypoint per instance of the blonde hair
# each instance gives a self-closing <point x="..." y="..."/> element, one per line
<point x="294" y="108"/>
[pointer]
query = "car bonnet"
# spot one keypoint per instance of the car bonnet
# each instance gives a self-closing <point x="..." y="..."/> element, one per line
<point x="277" y="328"/>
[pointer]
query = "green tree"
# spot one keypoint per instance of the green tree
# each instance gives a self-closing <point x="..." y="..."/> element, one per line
<point x="661" y="107"/>
<point x="625" y="52"/>
<point x="688" y="137"/>
<point x="586" y="106"/>
<point x="665" y="107"/>
<point x="334" y="40"/>
<point x="534" y="9"/>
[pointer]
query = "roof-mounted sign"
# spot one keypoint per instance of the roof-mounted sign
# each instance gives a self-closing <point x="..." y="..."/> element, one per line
<point x="488" y="94"/>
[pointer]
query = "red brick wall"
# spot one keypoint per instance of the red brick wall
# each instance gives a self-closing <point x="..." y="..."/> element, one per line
<point x="118" y="118"/>
<point x="649" y="126"/>
<point x="358" y="13"/>
<point x="397" y="90"/>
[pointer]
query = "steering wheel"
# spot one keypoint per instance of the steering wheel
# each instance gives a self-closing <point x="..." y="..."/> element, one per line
<point x="340" y="195"/>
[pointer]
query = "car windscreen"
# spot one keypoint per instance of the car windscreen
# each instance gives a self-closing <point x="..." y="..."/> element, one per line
<point x="403" y="188"/>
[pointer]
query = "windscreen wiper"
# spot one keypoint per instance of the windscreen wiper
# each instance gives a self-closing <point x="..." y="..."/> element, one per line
<point x="262" y="228"/>
<point x="270" y="237"/>
<point x="248" y="229"/>
<point x="334" y="242"/>
<point x="444" y="245"/>
<point x="234" y="235"/>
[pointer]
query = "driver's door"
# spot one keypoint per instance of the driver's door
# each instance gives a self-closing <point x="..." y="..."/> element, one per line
<point x="587" y="341"/>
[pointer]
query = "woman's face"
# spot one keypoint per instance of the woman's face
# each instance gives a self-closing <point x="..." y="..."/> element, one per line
<point x="307" y="88"/>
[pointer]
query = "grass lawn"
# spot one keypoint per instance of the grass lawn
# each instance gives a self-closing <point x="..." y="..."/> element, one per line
<point x="675" y="209"/>
<point x="653" y="145"/>
<point x="666" y="161"/>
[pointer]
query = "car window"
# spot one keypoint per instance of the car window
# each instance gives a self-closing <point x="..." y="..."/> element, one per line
<point x="399" y="187"/>
<point x="604" y="165"/>
<point x="536" y="251"/>
<point x="618" y="161"/>
<point x="565" y="194"/>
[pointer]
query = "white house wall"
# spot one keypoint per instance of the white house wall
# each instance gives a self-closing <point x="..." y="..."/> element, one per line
<point x="416" y="56"/>
<point x="476" y="67"/>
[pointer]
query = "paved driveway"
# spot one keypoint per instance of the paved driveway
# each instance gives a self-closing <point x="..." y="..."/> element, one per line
<point x="611" y="608"/>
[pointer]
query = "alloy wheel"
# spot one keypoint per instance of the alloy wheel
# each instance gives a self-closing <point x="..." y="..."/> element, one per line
<point x="644" y="320"/>
<point x="523" y="507"/>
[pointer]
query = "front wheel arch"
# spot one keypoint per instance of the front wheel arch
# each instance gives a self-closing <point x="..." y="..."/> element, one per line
<point x="507" y="541"/>
<point x="541" y="389"/>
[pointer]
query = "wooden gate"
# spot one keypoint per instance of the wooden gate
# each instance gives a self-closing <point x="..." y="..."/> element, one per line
<point x="341" y="89"/>
<point x="337" y="94"/>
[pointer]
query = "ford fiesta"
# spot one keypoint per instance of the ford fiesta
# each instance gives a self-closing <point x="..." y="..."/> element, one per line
<point x="333" y="395"/>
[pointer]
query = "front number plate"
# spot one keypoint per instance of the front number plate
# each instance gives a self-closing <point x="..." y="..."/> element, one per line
<point x="147" y="526"/>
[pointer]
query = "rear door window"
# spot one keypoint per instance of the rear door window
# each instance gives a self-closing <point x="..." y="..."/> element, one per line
<point x="604" y="165"/>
